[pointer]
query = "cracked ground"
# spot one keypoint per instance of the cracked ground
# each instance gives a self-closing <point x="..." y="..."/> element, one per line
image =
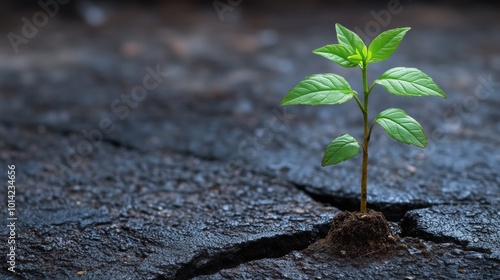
<point x="204" y="176"/>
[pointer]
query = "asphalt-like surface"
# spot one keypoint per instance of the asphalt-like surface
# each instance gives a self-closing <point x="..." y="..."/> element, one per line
<point x="203" y="175"/>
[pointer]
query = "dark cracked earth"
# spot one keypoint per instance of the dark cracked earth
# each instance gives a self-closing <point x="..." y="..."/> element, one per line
<point x="204" y="176"/>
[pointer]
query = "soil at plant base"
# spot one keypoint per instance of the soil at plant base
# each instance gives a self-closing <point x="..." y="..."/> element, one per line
<point x="354" y="234"/>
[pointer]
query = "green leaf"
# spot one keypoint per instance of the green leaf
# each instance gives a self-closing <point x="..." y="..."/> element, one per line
<point x="355" y="58"/>
<point x="409" y="82"/>
<point x="342" y="148"/>
<point x="350" y="39"/>
<point x="402" y="127"/>
<point x="319" y="89"/>
<point x="386" y="43"/>
<point x="336" y="53"/>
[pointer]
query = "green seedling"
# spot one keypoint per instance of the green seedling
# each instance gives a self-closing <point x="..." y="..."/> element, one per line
<point x="329" y="89"/>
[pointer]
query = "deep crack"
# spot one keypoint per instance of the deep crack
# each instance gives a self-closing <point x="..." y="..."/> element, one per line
<point x="267" y="247"/>
<point x="392" y="212"/>
<point x="409" y="228"/>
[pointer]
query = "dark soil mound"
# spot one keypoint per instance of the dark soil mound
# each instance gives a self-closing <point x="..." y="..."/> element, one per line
<point x="354" y="234"/>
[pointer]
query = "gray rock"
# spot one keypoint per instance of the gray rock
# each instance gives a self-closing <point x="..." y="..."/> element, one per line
<point x="425" y="261"/>
<point x="133" y="215"/>
<point x="400" y="178"/>
<point x="476" y="227"/>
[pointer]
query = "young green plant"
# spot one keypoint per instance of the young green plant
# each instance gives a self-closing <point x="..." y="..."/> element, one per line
<point x="329" y="89"/>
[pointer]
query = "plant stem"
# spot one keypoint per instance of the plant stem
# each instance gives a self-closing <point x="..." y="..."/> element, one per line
<point x="361" y="107"/>
<point x="364" y="170"/>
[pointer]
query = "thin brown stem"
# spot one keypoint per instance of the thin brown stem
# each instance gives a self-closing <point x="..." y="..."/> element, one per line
<point x="364" y="176"/>
<point x="364" y="169"/>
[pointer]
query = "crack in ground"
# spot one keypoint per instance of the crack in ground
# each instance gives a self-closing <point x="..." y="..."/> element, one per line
<point x="392" y="212"/>
<point x="343" y="202"/>
<point x="421" y="235"/>
<point x="263" y="248"/>
<point x="65" y="131"/>
<point x="409" y="228"/>
<point x="280" y="245"/>
<point x="117" y="143"/>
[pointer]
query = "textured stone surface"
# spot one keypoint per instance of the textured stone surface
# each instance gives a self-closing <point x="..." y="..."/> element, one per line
<point x="208" y="173"/>
<point x="457" y="171"/>
<point x="476" y="227"/>
<point x="129" y="214"/>
<point x="426" y="261"/>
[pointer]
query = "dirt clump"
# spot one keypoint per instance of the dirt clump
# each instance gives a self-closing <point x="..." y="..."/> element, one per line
<point x="354" y="235"/>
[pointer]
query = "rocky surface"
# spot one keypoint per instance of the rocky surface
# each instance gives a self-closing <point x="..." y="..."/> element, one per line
<point x="423" y="260"/>
<point x="207" y="177"/>
<point x="453" y="242"/>
<point x="473" y="226"/>
<point x="130" y="214"/>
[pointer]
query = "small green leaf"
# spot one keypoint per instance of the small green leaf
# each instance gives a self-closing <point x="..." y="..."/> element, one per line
<point x="409" y="82"/>
<point x="355" y="58"/>
<point x="364" y="52"/>
<point x="386" y="43"/>
<point x="342" y="148"/>
<point x="336" y="53"/>
<point x="402" y="127"/>
<point x="348" y="38"/>
<point x="319" y="89"/>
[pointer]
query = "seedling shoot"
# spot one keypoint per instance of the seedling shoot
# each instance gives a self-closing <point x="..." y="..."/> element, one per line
<point x="330" y="89"/>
